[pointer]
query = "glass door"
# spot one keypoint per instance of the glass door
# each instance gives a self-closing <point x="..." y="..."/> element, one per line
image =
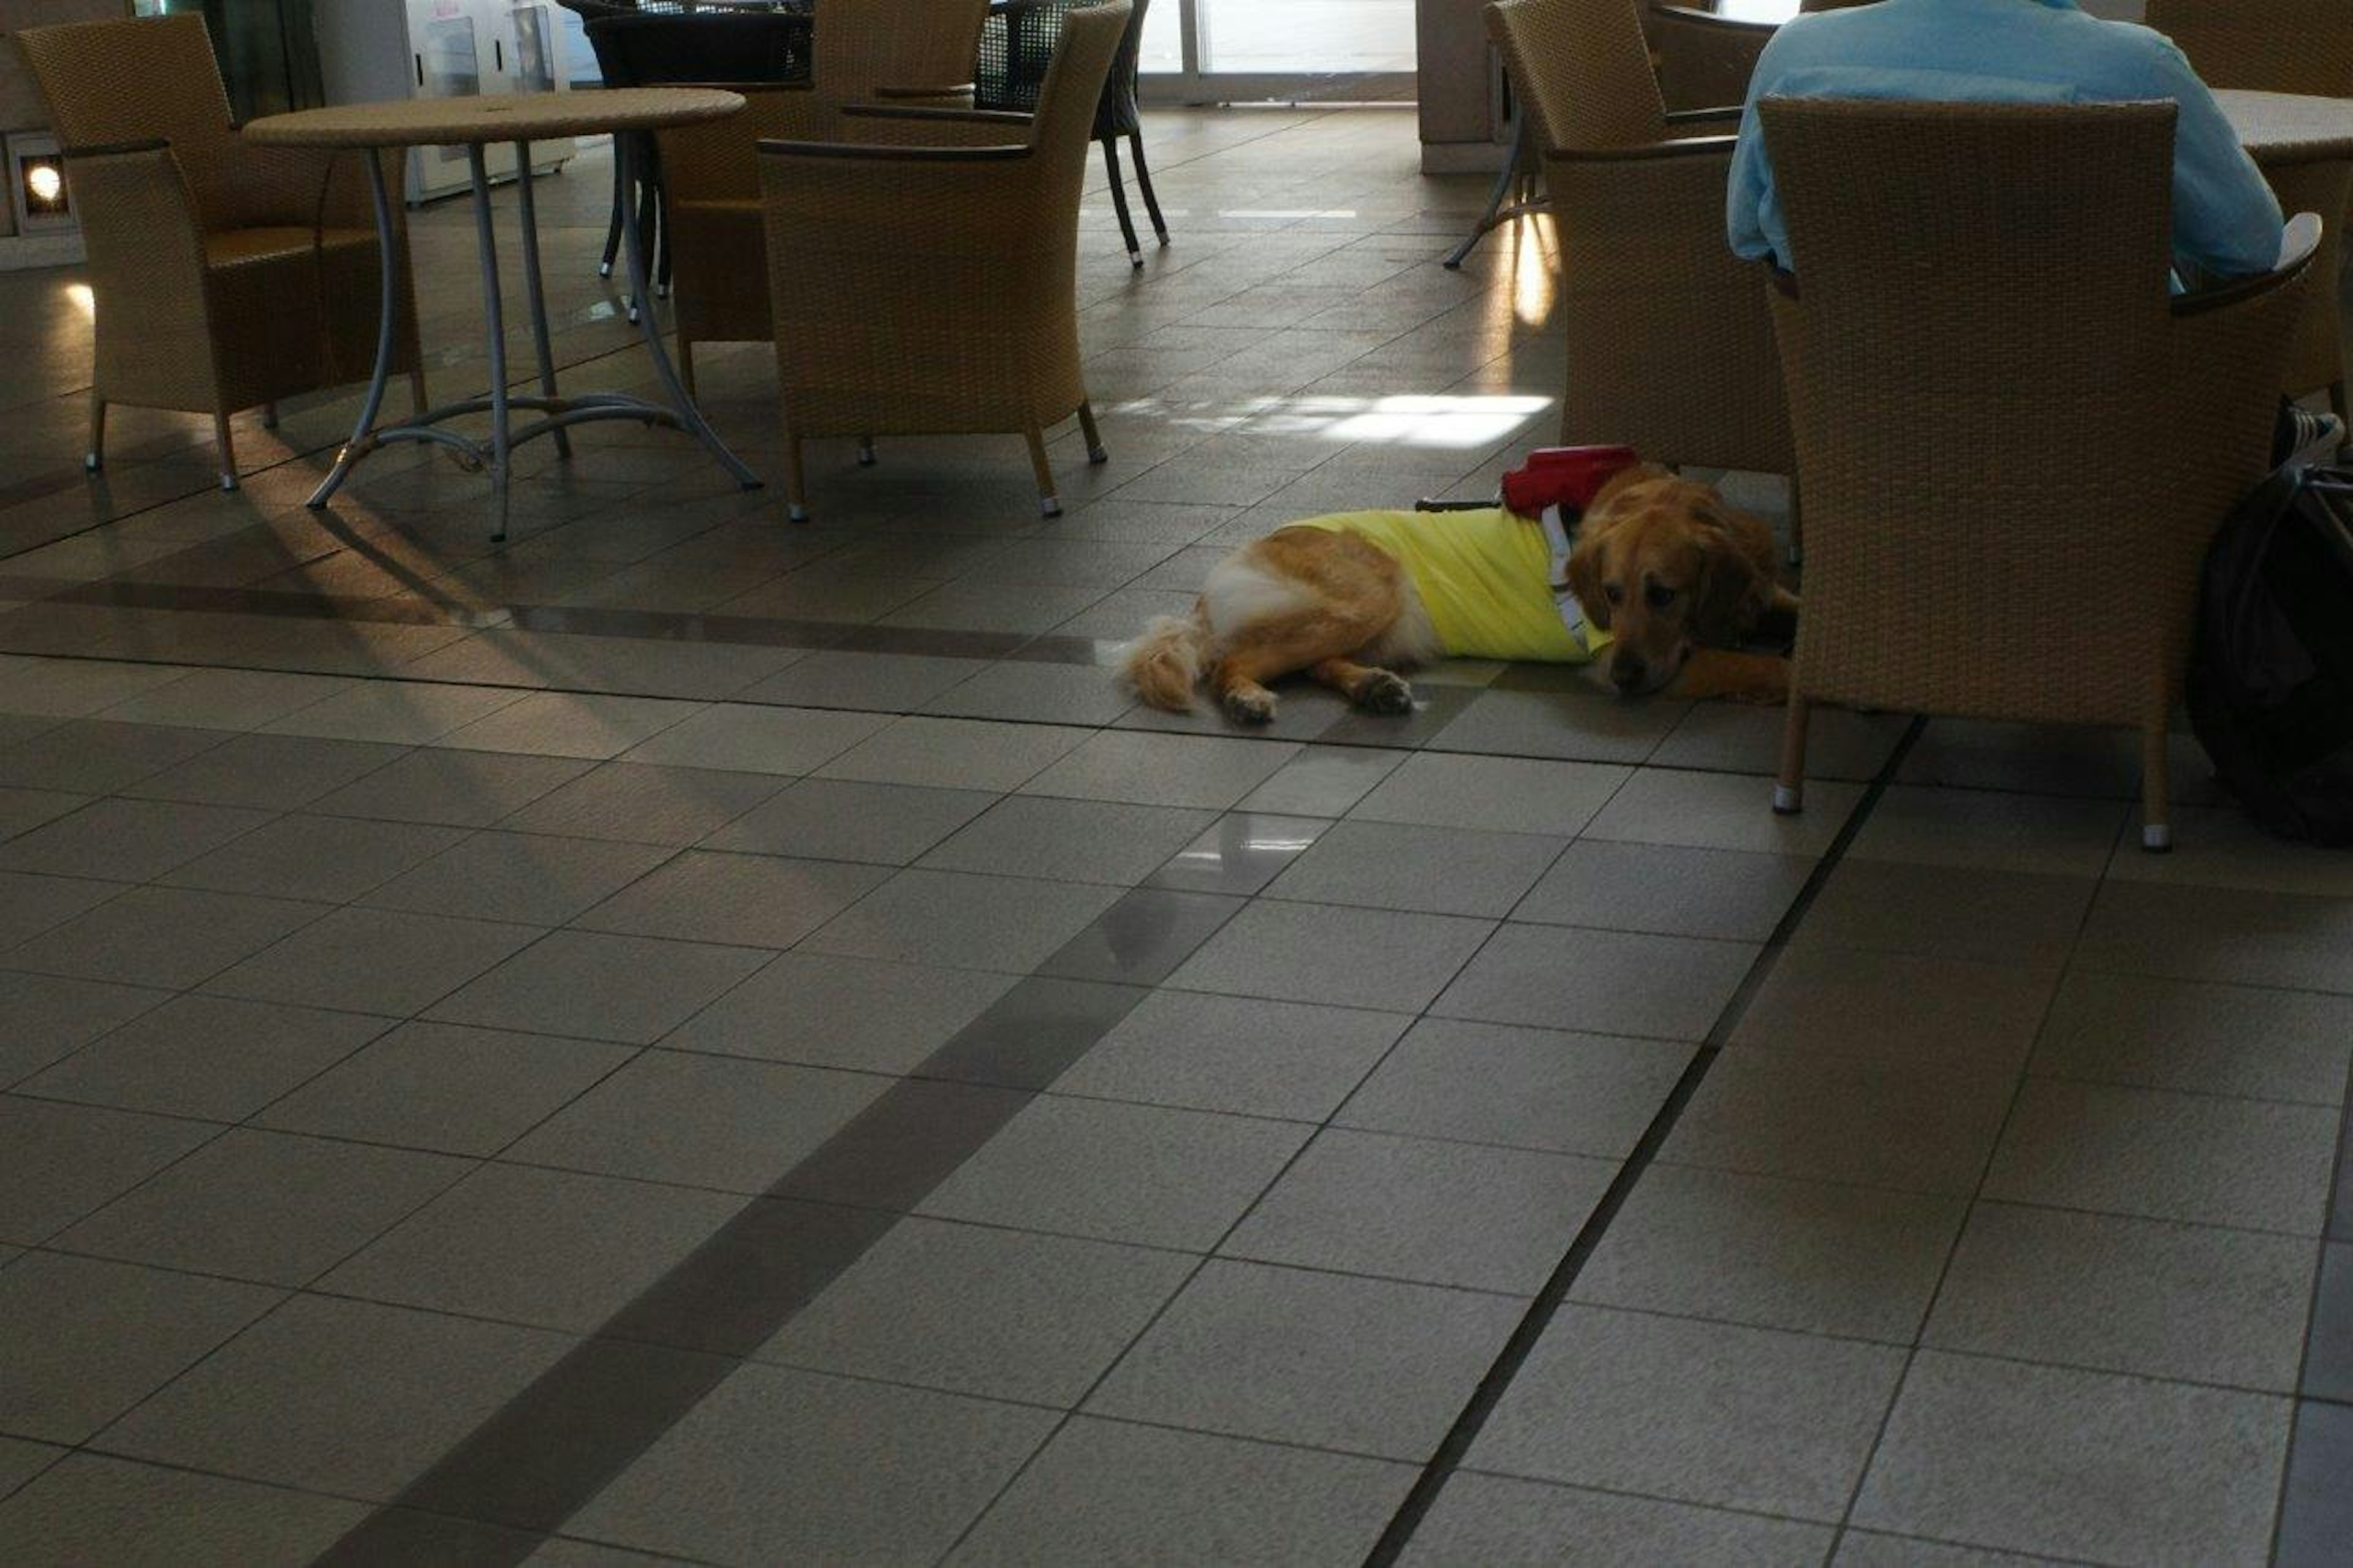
<point x="537" y="50"/>
<point x="1239" y="51"/>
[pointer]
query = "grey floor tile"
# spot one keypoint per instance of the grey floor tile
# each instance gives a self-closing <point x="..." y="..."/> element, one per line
<point x="2251" y="1164"/>
<point x="1234" y="1054"/>
<point x="1531" y="1088"/>
<point x="2188" y="1303"/>
<point x="2213" y="933"/>
<point x="20" y="1461"/>
<point x="1896" y="1007"/>
<point x="372" y="960"/>
<point x="2077" y="1464"/>
<point x="705" y="1121"/>
<point x="820" y="1469"/>
<point x="127" y="840"/>
<point x="1069" y="840"/>
<point x="1399" y="866"/>
<point x="1414" y="1208"/>
<point x="1572" y="726"/>
<point x="91" y="1509"/>
<point x="1143" y="937"/>
<point x="1993" y="830"/>
<point x="529" y="878"/>
<point x="1858" y="1262"/>
<point x="1036" y="692"/>
<point x="98" y="757"/>
<point x="598" y="987"/>
<point x="271" y="773"/>
<point x="2202" y="1038"/>
<point x="1834" y="1120"/>
<point x="30" y="905"/>
<point x="409" y="712"/>
<point x="69" y="688"/>
<point x="1707" y="1412"/>
<point x="1163" y="770"/>
<point x="444" y="1086"/>
<point x="209" y="1056"/>
<point x="840" y="819"/>
<point x="1369" y="1366"/>
<point x="1105" y="1491"/>
<point x="973" y="1310"/>
<point x="825" y="1011"/>
<point x="2317" y="1508"/>
<point x="1870" y="1548"/>
<point x="87" y="1340"/>
<point x="2223" y="846"/>
<point x="347" y="1397"/>
<point x="45" y="1018"/>
<point x="640" y="803"/>
<point x="552" y="1248"/>
<point x="1323" y="781"/>
<point x="1011" y="924"/>
<point x="876" y="682"/>
<point x="955" y="753"/>
<point x="1503" y="794"/>
<point x="21" y="810"/>
<point x="462" y="789"/>
<point x="745" y="899"/>
<point x="59" y="1161"/>
<point x="1339" y="957"/>
<point x="2328" y="1357"/>
<point x="1118" y="1172"/>
<point x="1239" y="853"/>
<point x="968" y="606"/>
<point x="331" y="858"/>
<point x="169" y="937"/>
<point x="569" y="724"/>
<point x="1732" y="737"/>
<point x="749" y="738"/>
<point x="1667" y="889"/>
<point x="2014" y="918"/>
<point x="229" y="699"/>
<point x="266" y="1207"/>
<point x="1618" y="982"/>
<point x="1722" y="811"/>
<point x="1497" y="1520"/>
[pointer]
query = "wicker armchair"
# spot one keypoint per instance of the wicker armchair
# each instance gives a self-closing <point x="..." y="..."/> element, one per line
<point x="1670" y="345"/>
<point x="2016" y="449"/>
<point x="227" y="276"/>
<point x="1016" y="45"/>
<point x="2285" y="46"/>
<point x="931" y="286"/>
<point x="1704" y="62"/>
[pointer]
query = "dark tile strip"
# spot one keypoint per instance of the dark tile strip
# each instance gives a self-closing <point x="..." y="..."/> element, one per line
<point x="561" y="1441"/>
<point x="1541" y="1312"/>
<point x="2316" y="1512"/>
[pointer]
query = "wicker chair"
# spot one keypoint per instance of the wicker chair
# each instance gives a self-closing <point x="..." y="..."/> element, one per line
<point x="2285" y="46"/>
<point x="1016" y="45"/>
<point x="2015" y="448"/>
<point x="227" y="276"/>
<point x="1704" y="62"/>
<point x="931" y="286"/>
<point x="1669" y="344"/>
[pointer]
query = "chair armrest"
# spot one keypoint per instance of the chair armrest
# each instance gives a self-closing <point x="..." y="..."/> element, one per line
<point x="1005" y="117"/>
<point x="1702" y="116"/>
<point x="114" y="149"/>
<point x="1694" y="147"/>
<point x="2299" y="238"/>
<point x="904" y="125"/>
<point x="963" y="89"/>
<point x="146" y="241"/>
<point x="880" y="153"/>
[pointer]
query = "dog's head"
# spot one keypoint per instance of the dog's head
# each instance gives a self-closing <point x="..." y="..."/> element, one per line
<point x="1664" y="564"/>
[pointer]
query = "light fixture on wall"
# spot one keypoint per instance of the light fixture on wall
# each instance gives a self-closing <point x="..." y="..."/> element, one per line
<point x="37" y="190"/>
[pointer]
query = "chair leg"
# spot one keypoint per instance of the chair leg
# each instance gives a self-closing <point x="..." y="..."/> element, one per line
<point x="1119" y="203"/>
<point x="613" y="228"/>
<point x="269" y="416"/>
<point x="2156" y="824"/>
<point x="95" y="458"/>
<point x="416" y="390"/>
<point x="1144" y="184"/>
<point x="1797" y="523"/>
<point x="796" y="481"/>
<point x="661" y="245"/>
<point x="686" y="364"/>
<point x="866" y="451"/>
<point x="228" y="446"/>
<point x="1789" y="790"/>
<point x="1048" y="503"/>
<point x="1095" y="453"/>
<point x="2337" y="407"/>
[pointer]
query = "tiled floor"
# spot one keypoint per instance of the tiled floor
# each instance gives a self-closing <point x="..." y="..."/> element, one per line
<point x="689" y="1038"/>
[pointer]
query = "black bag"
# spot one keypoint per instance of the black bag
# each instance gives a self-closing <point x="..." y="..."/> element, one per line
<point x="2271" y="684"/>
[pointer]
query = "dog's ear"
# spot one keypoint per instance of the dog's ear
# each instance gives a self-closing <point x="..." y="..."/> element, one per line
<point x="1584" y="577"/>
<point x="1735" y="581"/>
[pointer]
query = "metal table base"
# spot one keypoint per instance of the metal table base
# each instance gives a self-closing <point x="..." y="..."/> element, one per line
<point x="557" y="413"/>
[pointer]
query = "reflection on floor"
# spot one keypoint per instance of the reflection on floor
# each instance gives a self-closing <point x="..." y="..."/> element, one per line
<point x="692" y="1036"/>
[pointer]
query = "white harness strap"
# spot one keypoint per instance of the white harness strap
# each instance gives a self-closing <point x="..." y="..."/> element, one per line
<point x="1572" y="614"/>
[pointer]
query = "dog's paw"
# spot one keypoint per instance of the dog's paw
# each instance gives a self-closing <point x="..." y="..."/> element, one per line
<point x="1249" y="707"/>
<point x="1385" y="692"/>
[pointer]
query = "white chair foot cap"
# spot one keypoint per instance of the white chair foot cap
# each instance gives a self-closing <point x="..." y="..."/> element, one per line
<point x="865" y="457"/>
<point x="1788" y="800"/>
<point x="1049" y="506"/>
<point x="1097" y="455"/>
<point x="796" y="513"/>
<point x="90" y="462"/>
<point x="229" y="481"/>
<point x="604" y="269"/>
<point x="1135" y="259"/>
<point x="2157" y="837"/>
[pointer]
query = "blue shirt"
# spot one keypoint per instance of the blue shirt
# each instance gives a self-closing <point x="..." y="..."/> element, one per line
<point x="2225" y="220"/>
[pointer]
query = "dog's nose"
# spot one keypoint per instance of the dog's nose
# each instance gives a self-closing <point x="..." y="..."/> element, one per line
<point x="1628" y="674"/>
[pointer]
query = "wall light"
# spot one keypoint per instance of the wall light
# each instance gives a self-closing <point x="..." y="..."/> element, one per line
<point x="37" y="191"/>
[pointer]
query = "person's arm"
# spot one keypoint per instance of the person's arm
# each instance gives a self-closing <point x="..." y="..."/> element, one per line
<point x="2226" y="222"/>
<point x="1750" y="188"/>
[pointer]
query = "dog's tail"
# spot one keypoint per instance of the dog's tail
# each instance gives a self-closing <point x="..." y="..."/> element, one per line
<point x="1165" y="664"/>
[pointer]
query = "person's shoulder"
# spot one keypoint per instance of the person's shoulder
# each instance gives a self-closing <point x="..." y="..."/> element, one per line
<point x="2131" y="45"/>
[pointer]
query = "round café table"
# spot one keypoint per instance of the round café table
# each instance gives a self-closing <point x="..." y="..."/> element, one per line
<point x="2305" y="148"/>
<point x="475" y="123"/>
<point x="2288" y="127"/>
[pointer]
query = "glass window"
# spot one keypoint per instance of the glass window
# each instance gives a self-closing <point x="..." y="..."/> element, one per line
<point x="1261" y="36"/>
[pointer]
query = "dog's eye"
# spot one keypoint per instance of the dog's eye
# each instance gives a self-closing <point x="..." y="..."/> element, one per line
<point x="1613" y="593"/>
<point x="1658" y="596"/>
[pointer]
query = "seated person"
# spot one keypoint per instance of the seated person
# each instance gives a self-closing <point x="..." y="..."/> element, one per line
<point x="2226" y="223"/>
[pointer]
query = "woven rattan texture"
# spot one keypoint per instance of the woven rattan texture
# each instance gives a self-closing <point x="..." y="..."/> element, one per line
<point x="514" y="117"/>
<point x="2268" y="45"/>
<point x="1704" y="62"/>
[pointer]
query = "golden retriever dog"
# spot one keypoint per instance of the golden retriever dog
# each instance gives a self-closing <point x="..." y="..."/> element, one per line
<point x="1664" y="582"/>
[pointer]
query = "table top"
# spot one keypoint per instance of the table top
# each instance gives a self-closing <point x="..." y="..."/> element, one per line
<point x="513" y="116"/>
<point x="2290" y="125"/>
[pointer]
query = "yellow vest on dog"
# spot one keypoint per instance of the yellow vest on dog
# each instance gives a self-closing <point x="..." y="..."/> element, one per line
<point x="1486" y="578"/>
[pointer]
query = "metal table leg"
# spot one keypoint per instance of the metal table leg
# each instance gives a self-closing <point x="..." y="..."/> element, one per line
<point x="494" y="314"/>
<point x="1500" y="210"/>
<point x="388" y="308"/>
<point x="535" y="290"/>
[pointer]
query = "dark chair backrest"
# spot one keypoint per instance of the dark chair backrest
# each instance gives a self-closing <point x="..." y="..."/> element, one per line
<point x="1019" y="43"/>
<point x="729" y="44"/>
